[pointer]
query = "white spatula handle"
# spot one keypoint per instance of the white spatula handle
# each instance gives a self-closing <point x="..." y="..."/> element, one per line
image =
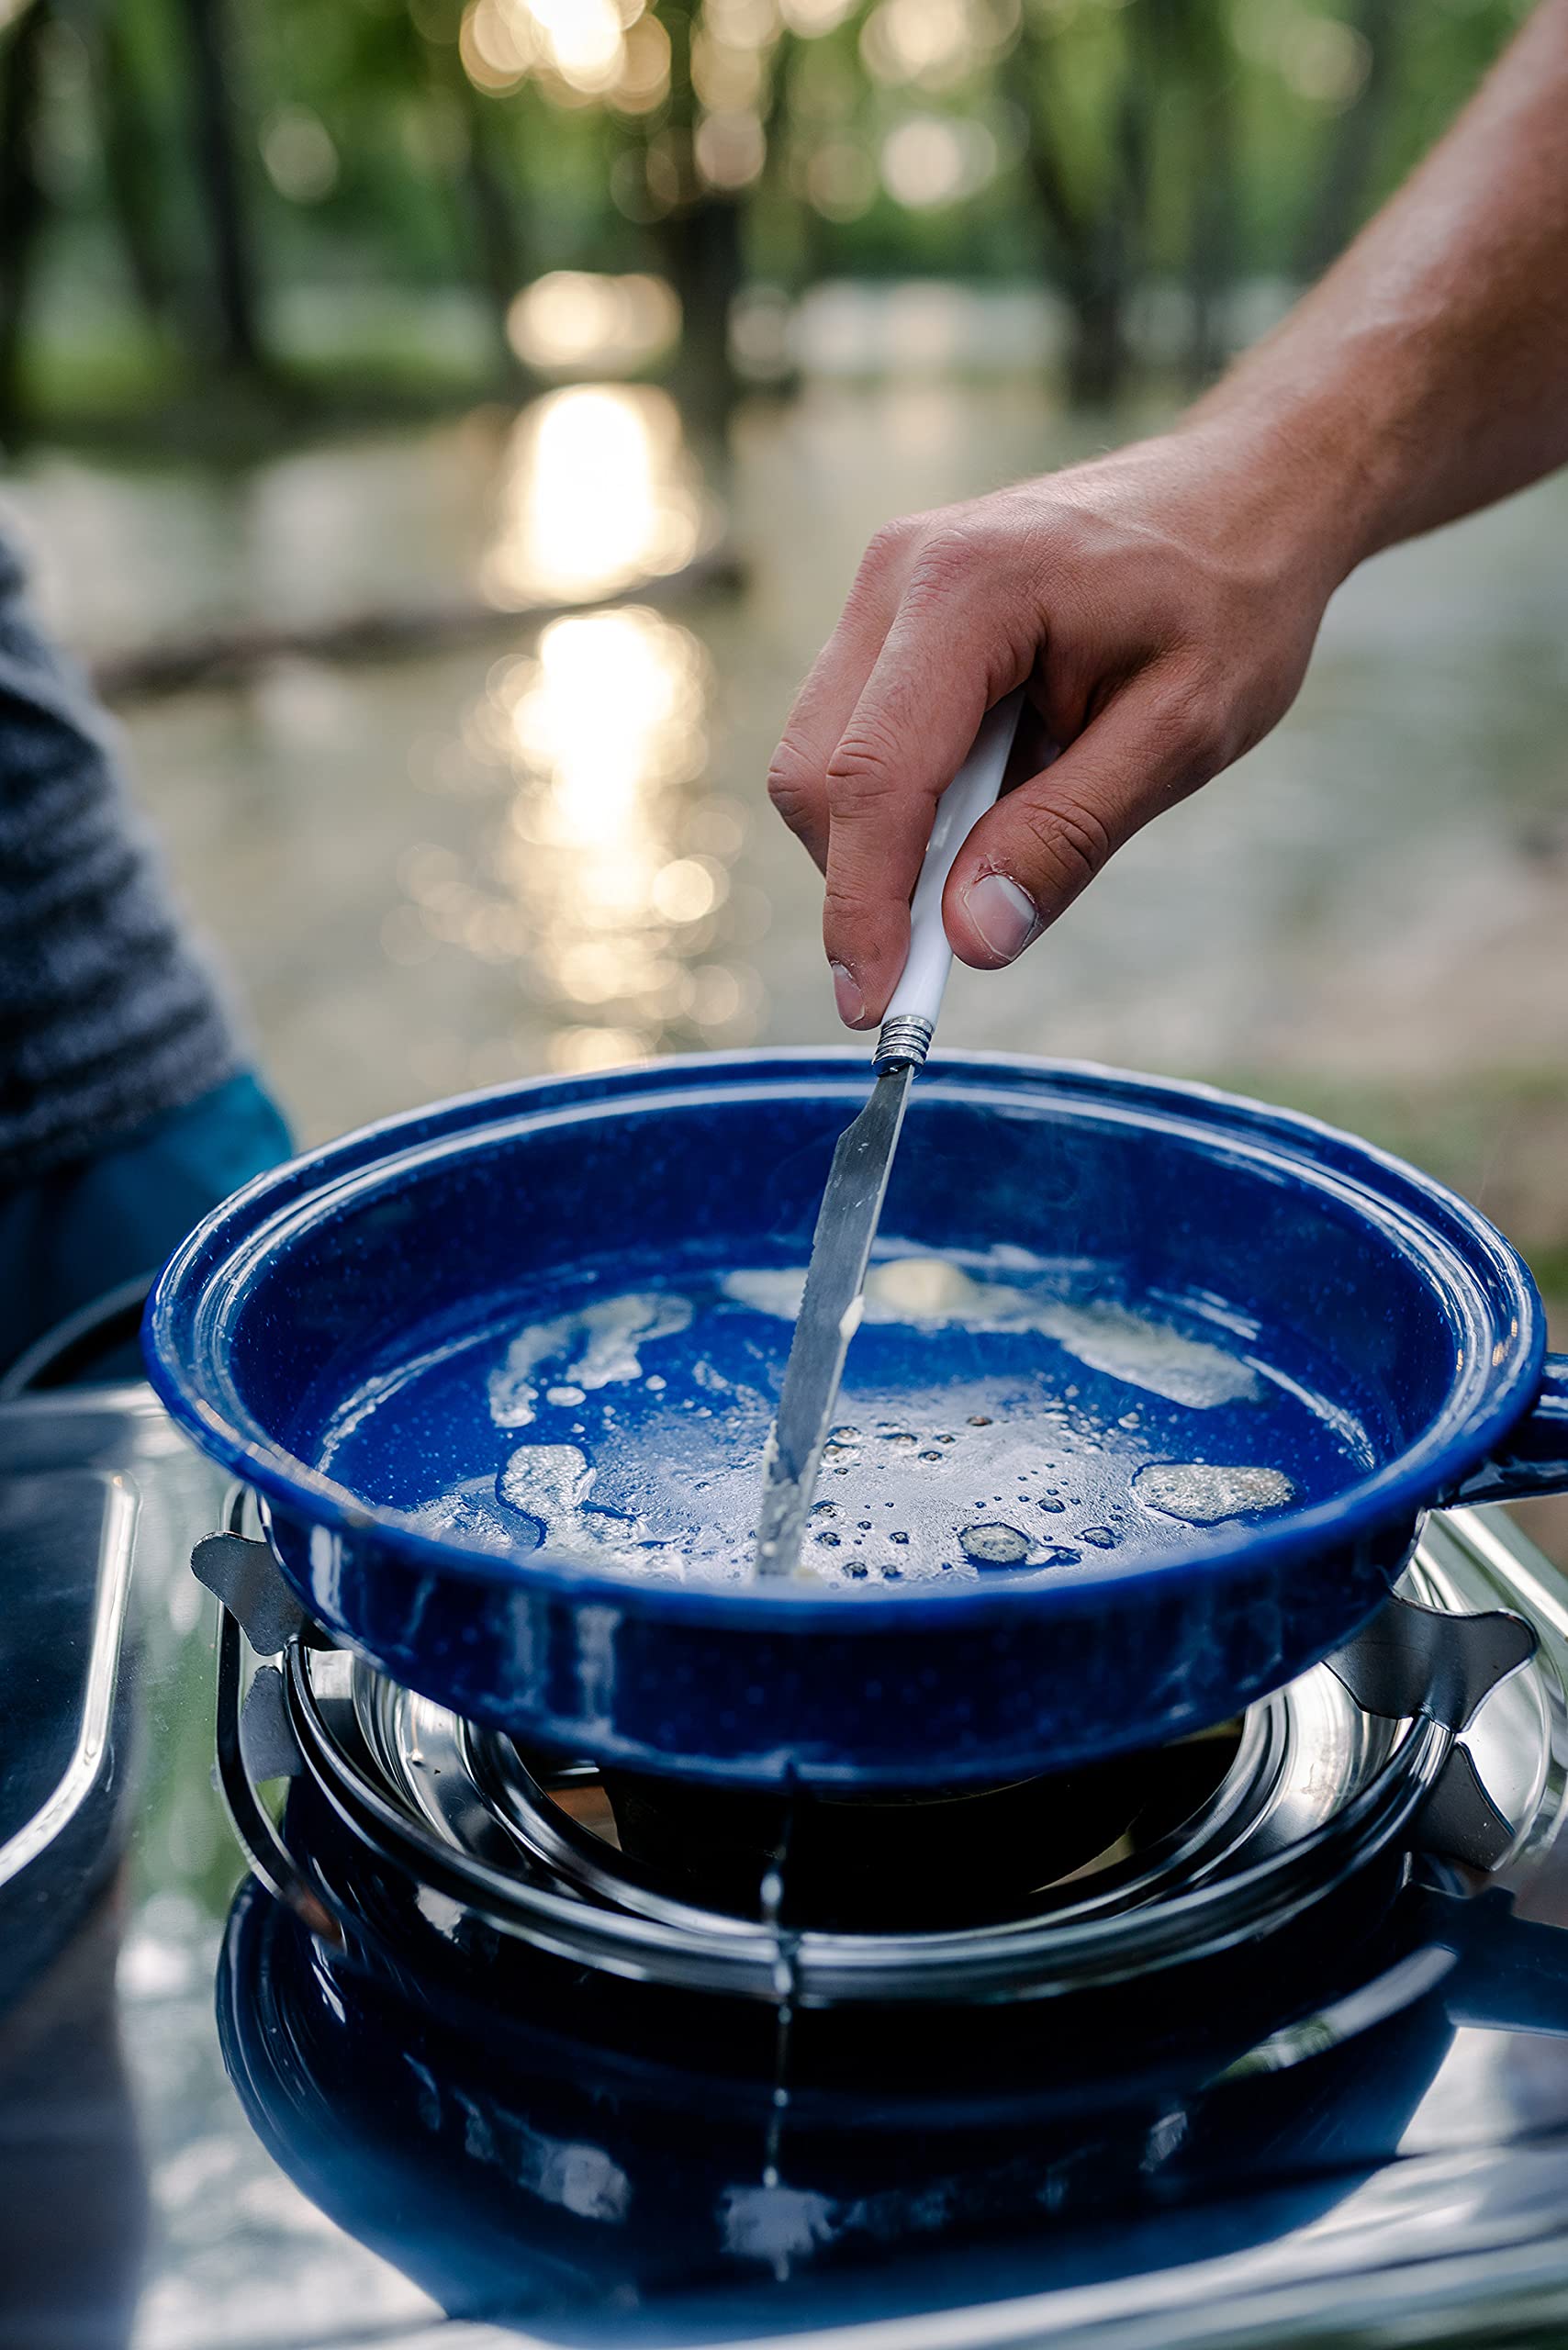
<point x="911" y="1016"/>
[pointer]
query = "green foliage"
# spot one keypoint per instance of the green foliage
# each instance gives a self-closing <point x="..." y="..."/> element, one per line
<point x="400" y="145"/>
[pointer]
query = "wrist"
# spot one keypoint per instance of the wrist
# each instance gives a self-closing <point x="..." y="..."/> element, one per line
<point x="1325" y="469"/>
<point x="1298" y="491"/>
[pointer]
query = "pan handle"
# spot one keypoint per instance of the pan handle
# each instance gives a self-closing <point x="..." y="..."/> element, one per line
<point x="1533" y="1456"/>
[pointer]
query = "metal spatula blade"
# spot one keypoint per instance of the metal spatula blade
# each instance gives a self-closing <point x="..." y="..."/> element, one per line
<point x="857" y="1180"/>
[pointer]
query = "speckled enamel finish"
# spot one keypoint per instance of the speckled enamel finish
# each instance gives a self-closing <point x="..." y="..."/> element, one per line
<point x="293" y="1294"/>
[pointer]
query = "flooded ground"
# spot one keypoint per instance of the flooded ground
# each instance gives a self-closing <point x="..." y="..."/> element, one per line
<point x="549" y="850"/>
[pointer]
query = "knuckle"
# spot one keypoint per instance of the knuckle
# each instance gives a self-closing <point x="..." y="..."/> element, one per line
<point x="978" y="586"/>
<point x="948" y="558"/>
<point x="1069" y="841"/>
<point x="794" y="784"/>
<point x="864" y="770"/>
<point x="888" y="546"/>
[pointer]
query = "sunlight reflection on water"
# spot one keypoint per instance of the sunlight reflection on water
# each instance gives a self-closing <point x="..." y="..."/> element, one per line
<point x="605" y="882"/>
<point x="597" y="490"/>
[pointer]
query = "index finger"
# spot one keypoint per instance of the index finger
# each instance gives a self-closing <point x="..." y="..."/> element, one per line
<point x="908" y="735"/>
<point x="798" y="772"/>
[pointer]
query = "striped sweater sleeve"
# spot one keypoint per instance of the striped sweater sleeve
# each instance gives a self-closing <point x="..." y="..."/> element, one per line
<point x="108" y="1015"/>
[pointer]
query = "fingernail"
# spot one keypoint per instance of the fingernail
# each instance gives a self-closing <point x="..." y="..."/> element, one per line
<point x="1003" y="914"/>
<point x="851" y="1002"/>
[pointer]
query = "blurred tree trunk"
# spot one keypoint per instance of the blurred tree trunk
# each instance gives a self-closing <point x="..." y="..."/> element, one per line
<point x="778" y="114"/>
<point x="22" y="204"/>
<point x="129" y="144"/>
<point x="1212" y="255"/>
<point x="1352" y="154"/>
<point x="1212" y="252"/>
<point x="700" y="243"/>
<point x="210" y="35"/>
<point x="1096" y="235"/>
<point x="699" y="240"/>
<point x="1096" y="355"/>
<point x="502" y="262"/>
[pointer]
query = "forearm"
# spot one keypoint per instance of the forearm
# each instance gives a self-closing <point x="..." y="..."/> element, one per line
<point x="1428" y="373"/>
<point x="1159" y="604"/>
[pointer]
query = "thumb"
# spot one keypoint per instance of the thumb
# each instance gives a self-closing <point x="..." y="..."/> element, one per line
<point x="1028" y="857"/>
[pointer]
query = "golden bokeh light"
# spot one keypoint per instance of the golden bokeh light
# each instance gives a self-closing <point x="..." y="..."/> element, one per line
<point x="642" y="82"/>
<point x="727" y="76"/>
<point x="577" y="1052"/>
<point x="812" y="18"/>
<point x="576" y="49"/>
<point x="599" y="491"/>
<point x="730" y="149"/>
<point x="300" y="155"/>
<point x="931" y="159"/>
<point x="606" y="882"/>
<point x="744" y="24"/>
<point x="668" y="170"/>
<point x="688" y="887"/>
<point x="575" y="320"/>
<point x="929" y="41"/>
<point x="583" y="39"/>
<point x="496" y="43"/>
<point x="1326" y="62"/>
<point x="840" y="180"/>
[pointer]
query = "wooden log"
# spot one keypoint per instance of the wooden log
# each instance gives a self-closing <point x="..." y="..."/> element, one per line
<point x="389" y="632"/>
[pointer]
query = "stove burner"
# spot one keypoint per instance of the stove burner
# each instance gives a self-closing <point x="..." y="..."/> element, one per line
<point x="1064" y="1883"/>
<point x="856" y="1864"/>
<point x="926" y="1861"/>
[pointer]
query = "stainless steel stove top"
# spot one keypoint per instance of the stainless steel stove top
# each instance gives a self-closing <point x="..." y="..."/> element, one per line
<point x="1284" y="2063"/>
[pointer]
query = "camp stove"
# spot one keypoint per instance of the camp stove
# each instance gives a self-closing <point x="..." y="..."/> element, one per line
<point x="711" y="2057"/>
<point x="1256" y="2037"/>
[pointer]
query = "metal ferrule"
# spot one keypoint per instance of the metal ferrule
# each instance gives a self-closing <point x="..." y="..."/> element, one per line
<point x="904" y="1042"/>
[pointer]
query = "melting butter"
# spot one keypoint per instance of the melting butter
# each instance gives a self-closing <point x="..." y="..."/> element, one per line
<point x="931" y="1292"/>
<point x="550" y="1484"/>
<point x="597" y="1346"/>
<point x="1202" y="1493"/>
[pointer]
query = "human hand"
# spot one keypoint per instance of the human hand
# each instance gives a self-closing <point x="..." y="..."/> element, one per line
<point x="1158" y="604"/>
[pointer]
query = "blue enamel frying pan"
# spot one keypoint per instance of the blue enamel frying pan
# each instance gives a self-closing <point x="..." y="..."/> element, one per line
<point x="1151" y="1391"/>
